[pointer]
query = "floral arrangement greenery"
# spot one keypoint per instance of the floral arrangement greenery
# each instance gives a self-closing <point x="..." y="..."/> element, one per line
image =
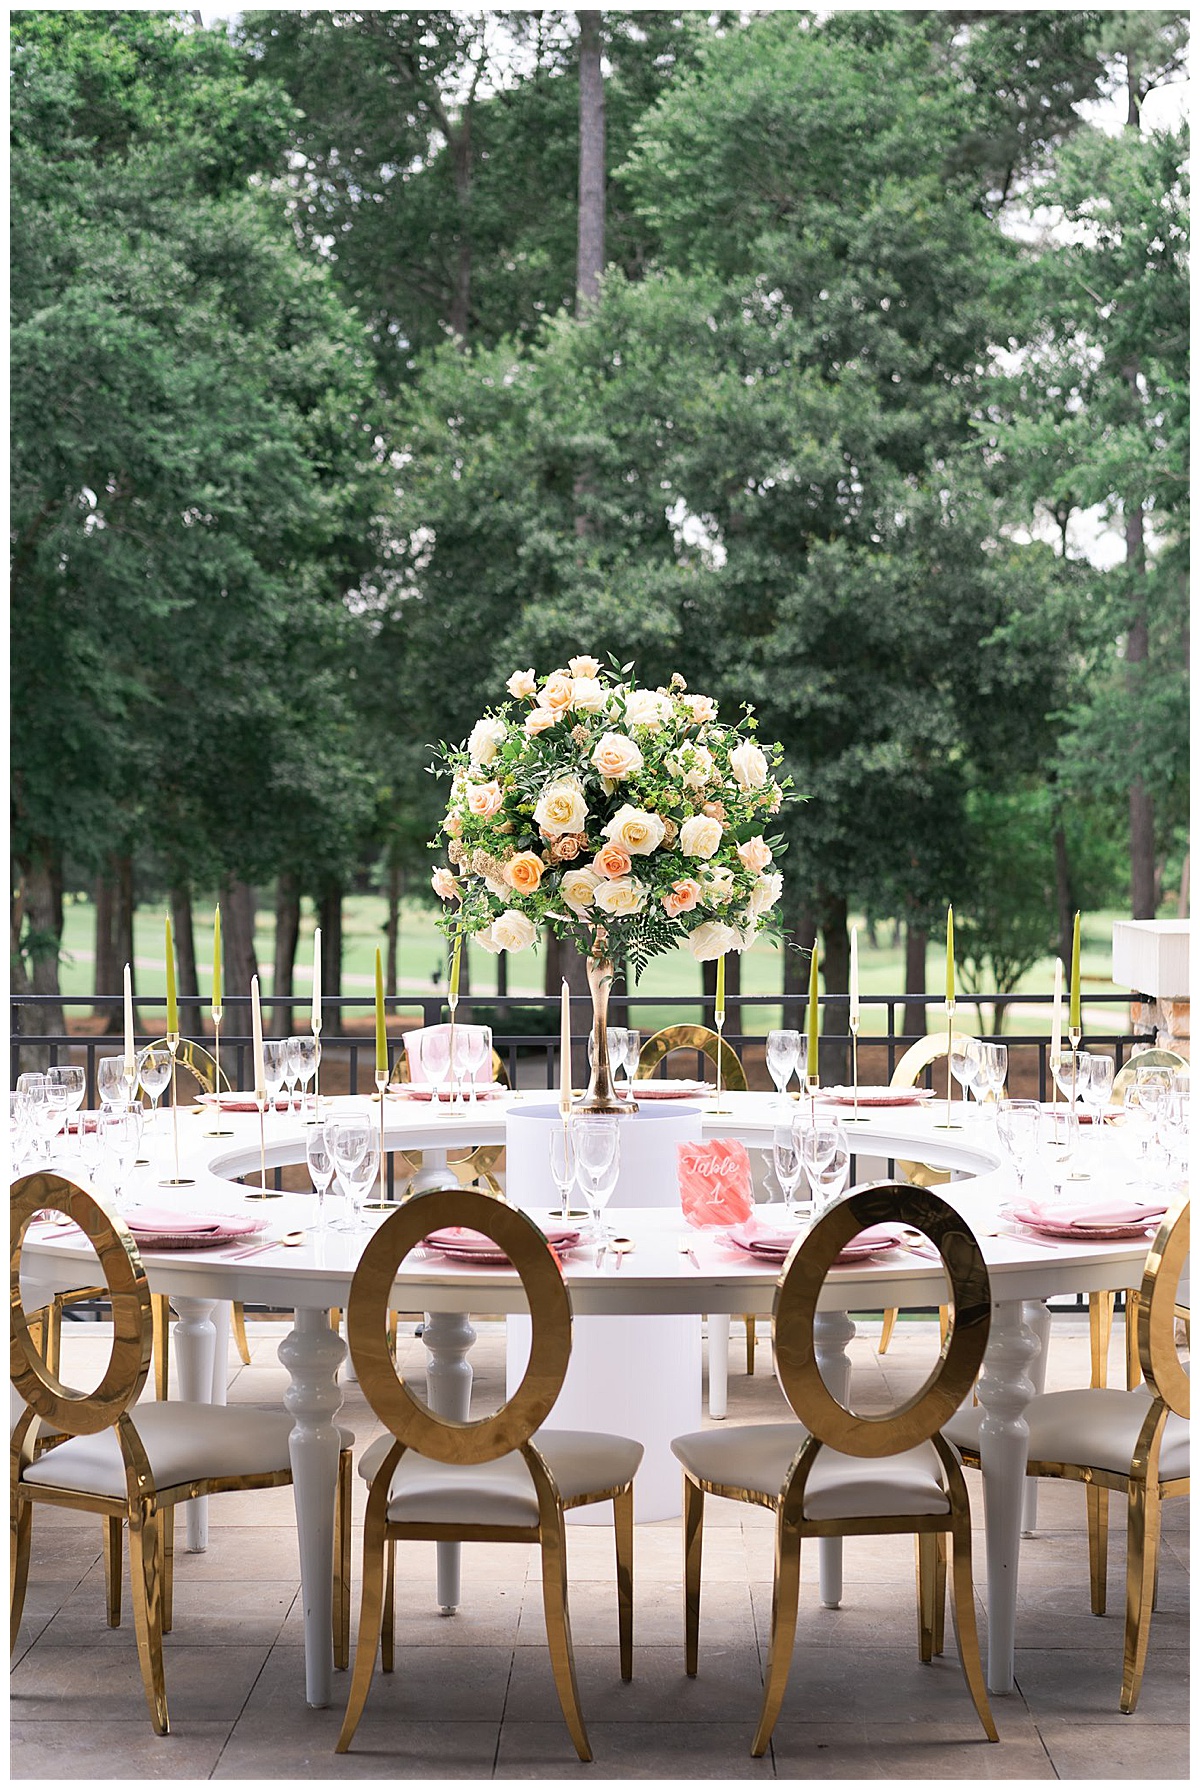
<point x="629" y="820"/>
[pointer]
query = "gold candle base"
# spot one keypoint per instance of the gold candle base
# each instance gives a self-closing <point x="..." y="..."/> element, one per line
<point x="217" y="1130"/>
<point x="175" y="1180"/>
<point x="316" y="1118"/>
<point x="855" y="1118"/>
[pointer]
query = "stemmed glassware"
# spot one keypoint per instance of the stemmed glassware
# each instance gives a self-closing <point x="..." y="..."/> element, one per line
<point x="783" y="1057"/>
<point x="274" y="1069"/>
<point x="435" y="1059"/>
<point x="119" y="1145"/>
<point x="597" y="1143"/>
<point x="291" y="1073"/>
<point x="618" y="1049"/>
<point x="1097" y="1092"/>
<point x="355" y="1150"/>
<point x="1018" y="1127"/>
<point x="562" y="1163"/>
<point x="306" y="1049"/>
<point x="827" y="1163"/>
<point x="477" y="1055"/>
<point x="319" y="1154"/>
<point x="1175" y="1126"/>
<point x="20" y="1118"/>
<point x="1154" y="1087"/>
<point x="154" y="1072"/>
<point x="633" y="1056"/>
<point x="111" y="1085"/>
<point x="788" y="1164"/>
<point x="72" y="1080"/>
<point x="964" y="1062"/>
<point x="992" y="1071"/>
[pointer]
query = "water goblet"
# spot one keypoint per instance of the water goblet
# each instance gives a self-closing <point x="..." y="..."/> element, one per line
<point x="31" y="1091"/>
<point x="1018" y="1128"/>
<point x="118" y="1141"/>
<point x="154" y="1072"/>
<point x="20" y="1125"/>
<point x="291" y="1080"/>
<point x="788" y="1163"/>
<point x="1097" y="1088"/>
<point x="50" y="1115"/>
<point x="993" y="1060"/>
<point x="597" y="1154"/>
<point x="1175" y="1129"/>
<point x="91" y="1142"/>
<point x="435" y="1058"/>
<point x="71" y="1078"/>
<point x="818" y="1140"/>
<point x="633" y="1056"/>
<point x="463" y="1046"/>
<point x="319" y="1154"/>
<point x="964" y="1062"/>
<point x="617" y="1041"/>
<point x="477" y="1043"/>
<point x="783" y="1055"/>
<point x="562" y="1163"/>
<point x="1154" y="1085"/>
<point x="111" y="1085"/>
<point x="349" y="1142"/>
<point x="358" y="1180"/>
<point x="274" y="1057"/>
<point x="308" y="1055"/>
<point x="831" y="1174"/>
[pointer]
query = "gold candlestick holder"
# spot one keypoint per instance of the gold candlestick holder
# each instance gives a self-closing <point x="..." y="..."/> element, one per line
<point x="130" y="1078"/>
<point x="382" y="1204"/>
<point x="452" y="1003"/>
<point x="950" y="1123"/>
<point x="1075" y="1034"/>
<point x="719" y="1021"/>
<point x="217" y="1129"/>
<point x="316" y="1118"/>
<point x="262" y="1191"/>
<point x="855" y="1118"/>
<point x="175" y="1180"/>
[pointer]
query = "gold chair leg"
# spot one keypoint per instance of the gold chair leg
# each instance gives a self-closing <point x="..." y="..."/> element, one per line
<point x="238" y="1318"/>
<point x="393" y="1330"/>
<point x="370" y="1612"/>
<point x="167" y="1518"/>
<point x="623" y="1529"/>
<point x="20" y="1521"/>
<point x="335" y="1317"/>
<point x="785" y="1598"/>
<point x="1141" y="1565"/>
<point x="114" y="1532"/>
<point x="52" y="1347"/>
<point x="341" y="1561"/>
<point x="943" y="1324"/>
<point x="160" y="1318"/>
<point x="1097" y="1527"/>
<point x="693" y="1547"/>
<point x="1100" y="1323"/>
<point x="145" y="1590"/>
<point x="1133" y="1365"/>
<point x="558" y="1630"/>
<point x="889" y="1324"/>
<point x="388" y="1636"/>
<point x="751" y="1340"/>
<point x="939" y="1594"/>
<point x="931" y="1593"/>
<point x="965" y="1632"/>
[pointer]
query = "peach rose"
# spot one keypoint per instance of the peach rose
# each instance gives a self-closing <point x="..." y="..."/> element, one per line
<point x="445" y="884"/>
<point x="538" y="720"/>
<point x="584" y="666"/>
<point x="512" y="931"/>
<point x="616" y="757"/>
<point x="682" y="897"/>
<point x="524" y="872"/>
<point x="748" y="765"/>
<point x="635" y="830"/>
<point x="555" y="693"/>
<point x="624" y="896"/>
<point x="612" y="861"/>
<point x="700" y="836"/>
<point x="703" y="708"/>
<point x="577" y="889"/>
<point x="755" y="853"/>
<point x="484" y="799"/>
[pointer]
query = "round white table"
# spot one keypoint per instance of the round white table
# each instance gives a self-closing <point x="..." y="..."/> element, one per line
<point x="654" y="1279"/>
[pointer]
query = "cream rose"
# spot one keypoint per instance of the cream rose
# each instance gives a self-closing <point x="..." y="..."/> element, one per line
<point x="555" y="693"/>
<point x="561" y="807"/>
<point x="445" y="884"/>
<point x="755" y="853"/>
<point x="487" y="939"/>
<point x="524" y="872"/>
<point x="636" y="831"/>
<point x="497" y="886"/>
<point x="538" y="720"/>
<point x="484" y="799"/>
<point x="512" y="931"/>
<point x="703" y="708"/>
<point x="693" y="766"/>
<point x="584" y="666"/>
<point x="623" y="896"/>
<point x="521" y="683"/>
<point x="748" y="765"/>
<point x="712" y="939"/>
<point x="587" y="695"/>
<point x="700" y="836"/>
<point x="765" y="894"/>
<point x="616" y="757"/>
<point x="646" y="708"/>
<point x="486" y="738"/>
<point x="577" y="888"/>
<point x="717" y="882"/>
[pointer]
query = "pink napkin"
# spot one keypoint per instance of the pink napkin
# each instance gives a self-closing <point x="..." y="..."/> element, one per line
<point x="158" y="1220"/>
<point x="714" y="1182"/>
<point x="1088" y="1214"/>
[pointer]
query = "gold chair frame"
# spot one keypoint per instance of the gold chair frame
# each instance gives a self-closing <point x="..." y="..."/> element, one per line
<point x="1170" y="1392"/>
<point x="50" y="1404"/>
<point x="830" y="1424"/>
<point x="506" y="1431"/>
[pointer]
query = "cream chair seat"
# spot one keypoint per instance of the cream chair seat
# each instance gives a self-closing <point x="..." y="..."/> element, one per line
<point x="1096" y="1426"/>
<point x="502" y="1491"/>
<point x="756" y="1459"/>
<point x="184" y="1443"/>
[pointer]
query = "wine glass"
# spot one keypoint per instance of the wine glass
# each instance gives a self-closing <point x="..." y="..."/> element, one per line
<point x="349" y="1142"/>
<point x="111" y="1085"/>
<point x="71" y="1078"/>
<point x="308" y="1055"/>
<point x="1068" y="1065"/>
<point x="274" y="1057"/>
<point x="1018" y="1127"/>
<point x="597" y="1155"/>
<point x="633" y="1056"/>
<point x="562" y="1163"/>
<point x="291" y="1080"/>
<point x="435" y="1058"/>
<point x="359" y="1178"/>
<point x="818" y="1140"/>
<point x="154" y="1072"/>
<point x="118" y="1149"/>
<point x="964" y="1062"/>
<point x="618" y="1038"/>
<point x="1175" y="1127"/>
<point x="31" y="1092"/>
<point x="1097" y="1086"/>
<point x="828" y="1179"/>
<point x="783" y="1056"/>
<point x="1154" y="1087"/>
<point x="20" y="1124"/>
<point x="477" y="1042"/>
<point x="993" y="1063"/>
<point x="319" y="1154"/>
<point x="50" y="1110"/>
<point x="788" y="1164"/>
<point x="91" y="1142"/>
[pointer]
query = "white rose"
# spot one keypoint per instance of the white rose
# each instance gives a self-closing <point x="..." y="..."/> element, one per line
<point x="587" y="694"/>
<point x="584" y="666"/>
<point x="717" y="883"/>
<point x="712" y="939"/>
<point x="638" y="832"/>
<point x="700" y="836"/>
<point x="561" y="807"/>
<point x="748" y="765"/>
<point x="696" y="767"/>
<point x="646" y="708"/>
<point x="624" y="895"/>
<point x="616" y="757"/>
<point x="521" y="683"/>
<point x="485" y="740"/>
<point x="577" y="888"/>
<point x="498" y="887"/>
<point x="512" y="931"/>
<point x="765" y="894"/>
<point x="703" y="707"/>
<point x="486" y="939"/>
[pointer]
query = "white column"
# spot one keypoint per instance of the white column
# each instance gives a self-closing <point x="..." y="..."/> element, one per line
<point x="448" y="1336"/>
<point x="1005" y="1389"/>
<point x="1037" y="1315"/>
<point x="833" y="1331"/>
<point x="312" y="1354"/>
<point x="718" y="1363"/>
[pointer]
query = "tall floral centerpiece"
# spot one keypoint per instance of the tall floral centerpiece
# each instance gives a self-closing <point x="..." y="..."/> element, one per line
<point x="627" y="820"/>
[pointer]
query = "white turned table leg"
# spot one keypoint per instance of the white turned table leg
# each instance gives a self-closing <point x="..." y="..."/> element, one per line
<point x="194" y="1339"/>
<point x="448" y="1375"/>
<point x="1005" y="1389"/>
<point x="222" y="1318"/>
<point x="718" y="1363"/>
<point x="833" y="1332"/>
<point x="312" y="1354"/>
<point x="1037" y="1316"/>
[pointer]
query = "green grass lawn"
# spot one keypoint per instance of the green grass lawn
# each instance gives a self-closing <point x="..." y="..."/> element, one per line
<point x="422" y="952"/>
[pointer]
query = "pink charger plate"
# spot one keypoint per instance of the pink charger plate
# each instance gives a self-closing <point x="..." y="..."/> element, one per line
<point x="154" y="1227"/>
<point x="464" y="1245"/>
<point x="242" y="1103"/>
<point x="769" y="1243"/>
<point x="1102" y="1220"/>
<point x="878" y="1096"/>
<point x="422" y="1090"/>
<point x="672" y="1090"/>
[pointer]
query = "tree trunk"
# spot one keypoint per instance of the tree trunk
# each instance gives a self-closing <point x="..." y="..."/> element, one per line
<point x="108" y="978"/>
<point x="123" y="916"/>
<point x="835" y="1014"/>
<point x="40" y="893"/>
<point x="501" y="976"/>
<point x="589" y="263"/>
<point x="1064" y="899"/>
<point x="1137" y="649"/>
<point x="797" y="945"/>
<point x="331" y="959"/>
<point x="237" y="947"/>
<point x="1185" y="878"/>
<point x="395" y="887"/>
<point x="287" y="939"/>
<point x="190" y="1024"/>
<point x="460" y="159"/>
<point x="916" y="943"/>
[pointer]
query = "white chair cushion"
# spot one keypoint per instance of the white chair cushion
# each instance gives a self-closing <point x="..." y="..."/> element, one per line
<point x="182" y="1442"/>
<point x="1096" y="1426"/>
<point x="755" y="1457"/>
<point x="501" y="1492"/>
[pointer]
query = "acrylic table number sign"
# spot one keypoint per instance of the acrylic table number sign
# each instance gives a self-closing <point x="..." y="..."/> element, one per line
<point x="714" y="1182"/>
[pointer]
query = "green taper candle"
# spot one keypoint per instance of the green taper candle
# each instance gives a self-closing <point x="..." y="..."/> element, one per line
<point x="813" y="1020"/>
<point x="719" y="1004"/>
<point x="381" y="1061"/>
<point x="216" y="1000"/>
<point x="1076" y="1022"/>
<point x="949" y="954"/>
<point x="172" y="1001"/>
<point x="456" y="964"/>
